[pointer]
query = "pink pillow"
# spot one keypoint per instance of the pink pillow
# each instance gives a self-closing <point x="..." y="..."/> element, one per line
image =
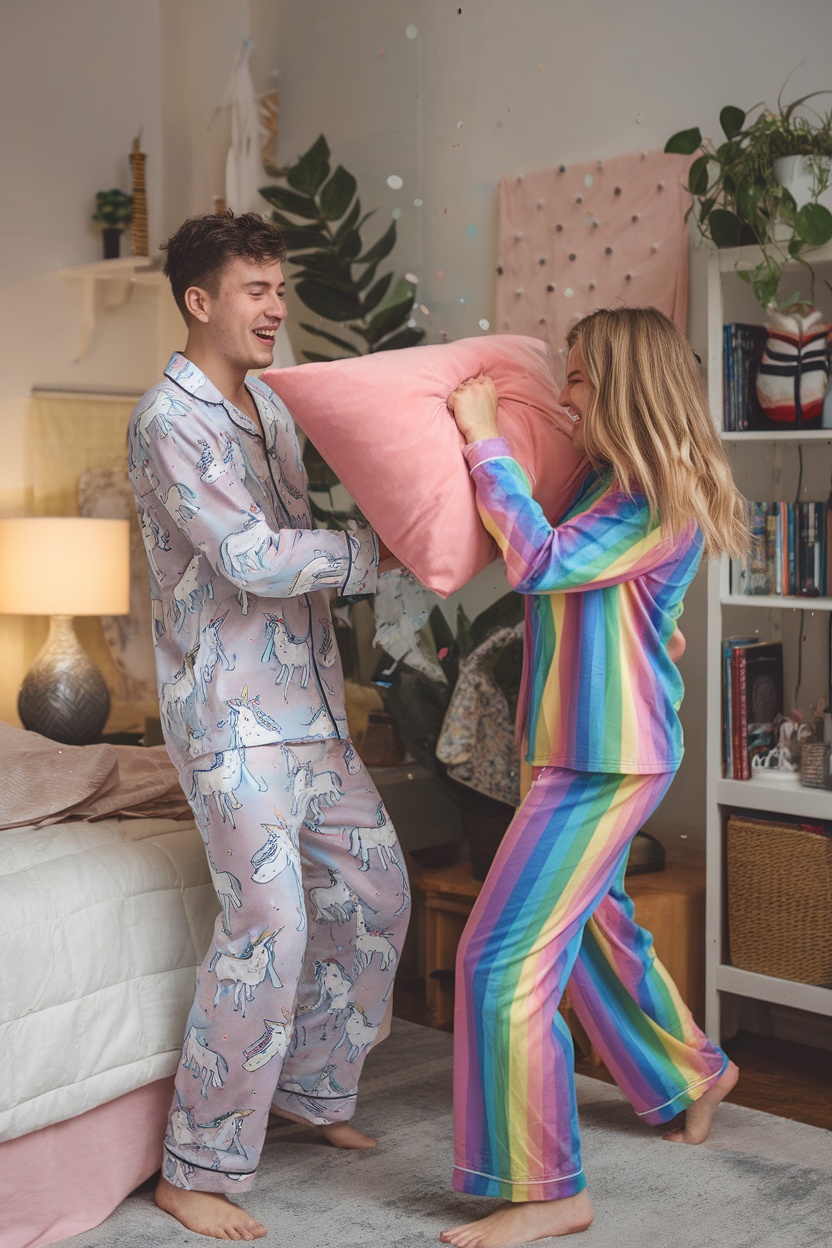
<point x="382" y="423"/>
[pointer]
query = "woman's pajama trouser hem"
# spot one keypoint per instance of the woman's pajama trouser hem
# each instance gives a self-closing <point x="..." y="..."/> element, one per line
<point x="556" y="1187"/>
<point x="688" y="1096"/>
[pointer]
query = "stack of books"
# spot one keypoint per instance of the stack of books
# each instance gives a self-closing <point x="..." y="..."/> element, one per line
<point x="752" y="696"/>
<point x="742" y="350"/>
<point x="791" y="551"/>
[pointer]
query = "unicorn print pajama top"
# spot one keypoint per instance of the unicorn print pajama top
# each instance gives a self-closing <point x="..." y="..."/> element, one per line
<point x="598" y="718"/>
<point x="308" y="872"/>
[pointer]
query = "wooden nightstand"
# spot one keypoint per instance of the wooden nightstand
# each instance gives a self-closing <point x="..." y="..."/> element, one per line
<point x="669" y="903"/>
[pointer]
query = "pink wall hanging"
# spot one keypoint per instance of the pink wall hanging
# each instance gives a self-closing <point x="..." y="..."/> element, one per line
<point x="594" y="235"/>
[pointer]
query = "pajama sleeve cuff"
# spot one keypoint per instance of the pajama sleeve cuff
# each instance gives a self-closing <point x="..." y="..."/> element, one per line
<point x="363" y="563"/>
<point x="477" y="453"/>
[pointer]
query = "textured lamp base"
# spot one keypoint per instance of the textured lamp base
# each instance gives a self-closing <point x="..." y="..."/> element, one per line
<point x="63" y="695"/>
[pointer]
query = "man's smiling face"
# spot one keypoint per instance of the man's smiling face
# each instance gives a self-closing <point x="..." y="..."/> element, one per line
<point x="246" y="312"/>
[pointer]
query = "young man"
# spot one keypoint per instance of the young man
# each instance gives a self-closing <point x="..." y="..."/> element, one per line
<point x="303" y="857"/>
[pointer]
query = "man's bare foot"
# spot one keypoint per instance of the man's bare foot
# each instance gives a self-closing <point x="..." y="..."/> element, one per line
<point x="207" y="1213"/>
<point x="338" y="1134"/>
<point x="521" y="1223"/>
<point x="342" y="1135"/>
<point x="700" y="1115"/>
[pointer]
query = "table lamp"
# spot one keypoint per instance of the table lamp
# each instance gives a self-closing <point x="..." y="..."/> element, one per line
<point x="63" y="566"/>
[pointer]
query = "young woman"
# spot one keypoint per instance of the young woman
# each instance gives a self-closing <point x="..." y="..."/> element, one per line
<point x="599" y="721"/>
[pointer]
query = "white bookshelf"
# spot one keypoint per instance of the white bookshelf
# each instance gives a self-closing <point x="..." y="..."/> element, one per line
<point x="767" y="464"/>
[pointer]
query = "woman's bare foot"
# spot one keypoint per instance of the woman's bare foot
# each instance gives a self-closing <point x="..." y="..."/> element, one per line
<point x="700" y="1115"/>
<point x="207" y="1213"/>
<point x="521" y="1223"/>
<point x="338" y="1134"/>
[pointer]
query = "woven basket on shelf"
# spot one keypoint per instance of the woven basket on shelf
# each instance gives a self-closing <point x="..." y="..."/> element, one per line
<point x="780" y="900"/>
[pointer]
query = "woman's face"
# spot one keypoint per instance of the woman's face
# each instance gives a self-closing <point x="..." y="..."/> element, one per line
<point x="576" y="396"/>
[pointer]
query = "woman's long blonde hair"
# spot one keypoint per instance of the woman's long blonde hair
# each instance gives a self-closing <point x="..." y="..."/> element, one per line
<point x="649" y="421"/>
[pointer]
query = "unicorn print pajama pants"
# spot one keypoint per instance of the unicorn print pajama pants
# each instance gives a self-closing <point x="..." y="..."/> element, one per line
<point x="552" y="909"/>
<point x="297" y="980"/>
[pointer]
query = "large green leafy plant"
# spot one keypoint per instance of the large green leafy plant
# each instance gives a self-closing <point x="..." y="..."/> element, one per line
<point x="739" y="199"/>
<point x="321" y="218"/>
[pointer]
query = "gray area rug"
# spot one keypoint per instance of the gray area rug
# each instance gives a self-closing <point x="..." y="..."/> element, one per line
<point x="759" y="1181"/>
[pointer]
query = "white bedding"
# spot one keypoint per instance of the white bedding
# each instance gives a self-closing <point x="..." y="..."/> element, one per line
<point x="101" y="928"/>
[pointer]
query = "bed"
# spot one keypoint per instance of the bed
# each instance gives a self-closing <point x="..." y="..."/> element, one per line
<point x="101" y="928"/>
<point x="106" y="908"/>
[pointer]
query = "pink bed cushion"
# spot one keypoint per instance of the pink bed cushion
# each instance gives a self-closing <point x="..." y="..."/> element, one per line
<point x="382" y="422"/>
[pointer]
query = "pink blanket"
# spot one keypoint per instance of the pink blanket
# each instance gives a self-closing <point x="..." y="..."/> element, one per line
<point x="45" y="782"/>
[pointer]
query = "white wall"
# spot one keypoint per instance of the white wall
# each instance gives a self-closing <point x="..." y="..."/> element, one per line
<point x="533" y="83"/>
<point x="78" y="79"/>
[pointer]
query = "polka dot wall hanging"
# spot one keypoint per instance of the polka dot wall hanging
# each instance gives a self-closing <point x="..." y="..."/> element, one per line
<point x="613" y="230"/>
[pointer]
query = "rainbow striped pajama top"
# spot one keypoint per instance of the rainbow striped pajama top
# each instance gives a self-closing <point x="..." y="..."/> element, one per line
<point x="605" y="589"/>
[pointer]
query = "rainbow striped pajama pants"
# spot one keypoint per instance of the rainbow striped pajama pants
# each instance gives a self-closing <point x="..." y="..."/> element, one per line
<point x="552" y="909"/>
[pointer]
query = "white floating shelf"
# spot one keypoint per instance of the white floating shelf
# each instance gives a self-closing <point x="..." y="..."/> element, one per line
<point x="777" y="991"/>
<point x="733" y="258"/>
<point x="108" y="270"/>
<point x="777" y="435"/>
<point x="784" y="798"/>
<point x="116" y="277"/>
<point x="784" y="602"/>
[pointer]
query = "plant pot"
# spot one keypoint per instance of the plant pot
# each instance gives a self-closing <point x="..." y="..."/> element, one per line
<point x="112" y="242"/>
<point x="796" y="174"/>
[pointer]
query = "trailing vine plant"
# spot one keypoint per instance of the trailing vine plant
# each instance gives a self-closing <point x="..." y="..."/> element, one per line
<point x="739" y="199"/>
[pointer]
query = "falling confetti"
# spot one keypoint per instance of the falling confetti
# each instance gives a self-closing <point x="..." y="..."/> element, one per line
<point x="460" y="124"/>
<point x="417" y="203"/>
<point x="588" y="180"/>
<point x="485" y="324"/>
<point x="411" y="32"/>
<point x="472" y="231"/>
<point x="439" y="274"/>
<point x="424" y="310"/>
<point x="411" y="277"/>
<point x="568" y="293"/>
<point x="395" y="182"/>
<point x="467" y="299"/>
<point x="396" y="213"/>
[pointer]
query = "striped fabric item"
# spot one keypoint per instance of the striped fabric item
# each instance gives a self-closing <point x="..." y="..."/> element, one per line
<point x="791" y="381"/>
<point x="605" y="590"/>
<point x="554" y="905"/>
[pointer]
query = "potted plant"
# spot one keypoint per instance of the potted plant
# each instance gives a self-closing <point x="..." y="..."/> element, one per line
<point x="321" y="219"/>
<point x="113" y="212"/>
<point x="742" y="195"/>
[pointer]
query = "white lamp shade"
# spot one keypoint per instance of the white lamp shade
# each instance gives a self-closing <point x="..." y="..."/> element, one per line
<point x="64" y="565"/>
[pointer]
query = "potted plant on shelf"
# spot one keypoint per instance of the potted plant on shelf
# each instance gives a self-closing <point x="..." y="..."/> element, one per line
<point x="744" y="188"/>
<point x="113" y="212"/>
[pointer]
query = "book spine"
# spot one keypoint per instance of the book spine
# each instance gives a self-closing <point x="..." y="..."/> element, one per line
<point x="726" y="383"/>
<point x="727" y="759"/>
<point x="771" y="548"/>
<point x="743" y="363"/>
<point x="742" y="715"/>
<point x="784" y="547"/>
<point x="757" y="579"/>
